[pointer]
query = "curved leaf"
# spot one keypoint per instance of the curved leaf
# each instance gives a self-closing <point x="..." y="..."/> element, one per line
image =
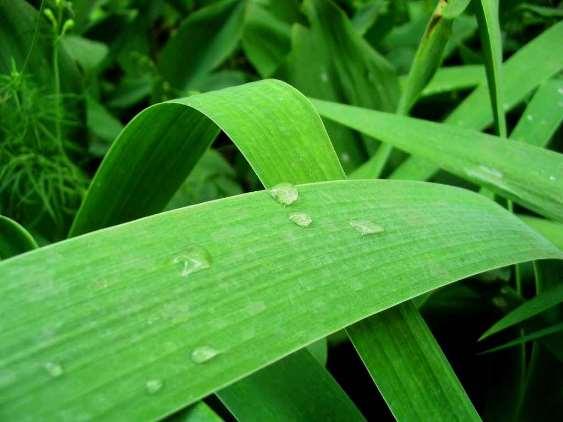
<point x="14" y="239"/>
<point x="142" y="184"/>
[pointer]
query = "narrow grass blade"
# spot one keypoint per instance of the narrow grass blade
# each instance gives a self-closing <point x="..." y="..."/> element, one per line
<point x="491" y="45"/>
<point x="527" y="310"/>
<point x="535" y="335"/>
<point x="546" y="50"/>
<point x="427" y="59"/>
<point x="14" y="239"/>
<point x="123" y="293"/>
<point x="541" y="119"/>
<point x="277" y="384"/>
<point x="526" y="174"/>
<point x="398" y="336"/>
<point x="452" y="78"/>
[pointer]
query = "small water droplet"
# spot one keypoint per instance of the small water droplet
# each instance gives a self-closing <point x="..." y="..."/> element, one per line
<point x="530" y="117"/>
<point x="552" y="178"/>
<point x="345" y="157"/>
<point x="285" y="193"/>
<point x="194" y="260"/>
<point x="54" y="369"/>
<point x="153" y="386"/>
<point x="324" y="77"/>
<point x="560" y="90"/>
<point x="485" y="173"/>
<point x="203" y="354"/>
<point x="301" y="219"/>
<point x="366" y="227"/>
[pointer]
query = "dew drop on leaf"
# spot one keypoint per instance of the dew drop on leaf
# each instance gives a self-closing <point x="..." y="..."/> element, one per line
<point x="366" y="227"/>
<point x="203" y="354"/>
<point x="153" y="386"/>
<point x="285" y="193"/>
<point x="485" y="173"/>
<point x="54" y="369"/>
<point x="301" y="219"/>
<point x="195" y="259"/>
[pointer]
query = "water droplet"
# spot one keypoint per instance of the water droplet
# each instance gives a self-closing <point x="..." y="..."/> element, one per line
<point x="324" y="77"/>
<point x="529" y="117"/>
<point x="54" y="369"/>
<point x="285" y="193"/>
<point x="153" y="386"/>
<point x="203" y="354"/>
<point x="484" y="173"/>
<point x="366" y="227"/>
<point x="345" y="157"/>
<point x="560" y="90"/>
<point x="301" y="219"/>
<point x="552" y="178"/>
<point x="194" y="260"/>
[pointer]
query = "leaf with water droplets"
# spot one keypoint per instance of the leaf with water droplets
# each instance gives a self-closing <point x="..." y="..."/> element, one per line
<point x="203" y="354"/>
<point x="194" y="260"/>
<point x="285" y="193"/>
<point x="301" y="219"/>
<point x="366" y="227"/>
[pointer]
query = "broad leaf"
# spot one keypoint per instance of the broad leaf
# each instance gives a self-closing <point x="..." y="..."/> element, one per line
<point x="167" y="307"/>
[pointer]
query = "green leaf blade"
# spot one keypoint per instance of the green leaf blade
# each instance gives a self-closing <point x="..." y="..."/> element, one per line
<point x="517" y="171"/>
<point x="140" y="319"/>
